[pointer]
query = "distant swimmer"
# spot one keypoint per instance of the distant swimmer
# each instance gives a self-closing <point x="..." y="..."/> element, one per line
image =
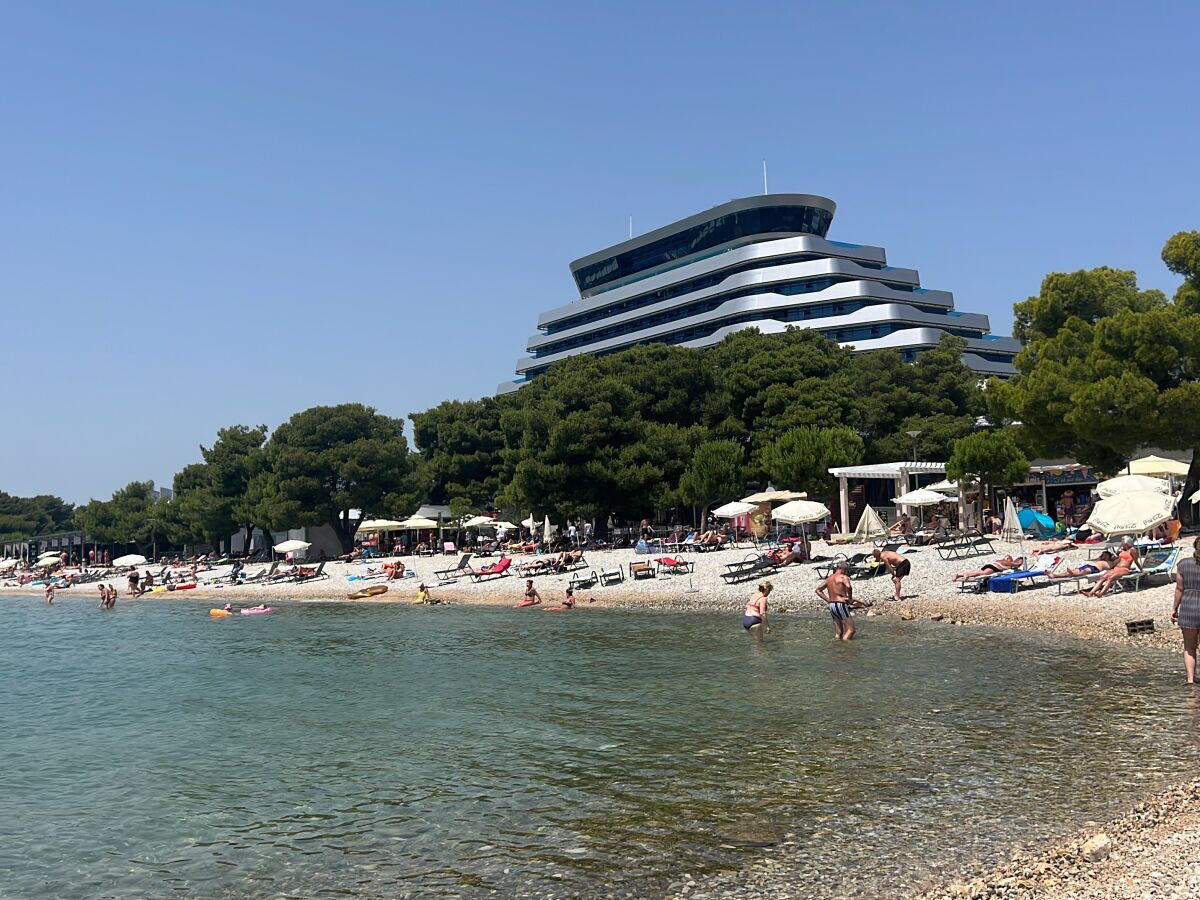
<point x="568" y="602"/>
<point x="531" y="598"/>
<point x="754" y="619"/>
<point x="837" y="593"/>
<point x="49" y="593"/>
<point x="897" y="565"/>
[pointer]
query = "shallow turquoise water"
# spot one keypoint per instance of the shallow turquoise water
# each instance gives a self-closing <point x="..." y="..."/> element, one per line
<point x="397" y="751"/>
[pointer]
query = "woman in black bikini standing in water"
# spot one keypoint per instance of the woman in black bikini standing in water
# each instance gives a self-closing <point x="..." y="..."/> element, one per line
<point x="754" y="619"/>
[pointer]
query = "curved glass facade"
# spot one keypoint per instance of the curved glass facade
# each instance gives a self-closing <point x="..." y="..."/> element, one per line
<point x="721" y="230"/>
<point x="879" y="308"/>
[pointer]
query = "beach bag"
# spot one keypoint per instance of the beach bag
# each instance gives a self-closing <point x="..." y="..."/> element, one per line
<point x="642" y="547"/>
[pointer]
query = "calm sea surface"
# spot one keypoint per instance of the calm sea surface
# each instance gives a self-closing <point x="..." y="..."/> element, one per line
<point x="372" y="751"/>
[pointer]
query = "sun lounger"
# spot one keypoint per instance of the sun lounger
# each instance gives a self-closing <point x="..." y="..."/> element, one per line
<point x="613" y="575"/>
<point x="498" y="569"/>
<point x="642" y="569"/>
<point x="674" y="566"/>
<point x="826" y="569"/>
<point x="1011" y="582"/>
<point x="463" y="568"/>
<point x="315" y="575"/>
<point x="750" y="567"/>
<point x="584" y="580"/>
<point x="1157" y="563"/>
<point x="964" y="544"/>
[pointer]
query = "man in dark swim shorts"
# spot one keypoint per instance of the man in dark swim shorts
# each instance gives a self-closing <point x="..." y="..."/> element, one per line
<point x="837" y="593"/>
<point x="898" y="566"/>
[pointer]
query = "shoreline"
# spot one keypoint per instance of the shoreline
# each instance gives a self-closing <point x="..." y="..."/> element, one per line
<point x="1145" y="841"/>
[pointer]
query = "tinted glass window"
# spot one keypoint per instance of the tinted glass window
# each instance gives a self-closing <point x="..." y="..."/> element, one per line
<point x="769" y="220"/>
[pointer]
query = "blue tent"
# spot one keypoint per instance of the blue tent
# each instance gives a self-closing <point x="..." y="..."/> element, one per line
<point x="1031" y="520"/>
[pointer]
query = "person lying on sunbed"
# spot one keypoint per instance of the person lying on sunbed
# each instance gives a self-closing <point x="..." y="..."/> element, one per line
<point x="1005" y="563"/>
<point x="784" y="557"/>
<point x="902" y="525"/>
<point x="397" y="571"/>
<point x="1057" y="546"/>
<point x="1102" y="563"/>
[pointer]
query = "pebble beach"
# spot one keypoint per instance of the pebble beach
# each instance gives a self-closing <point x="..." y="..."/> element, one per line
<point x="1152" y="852"/>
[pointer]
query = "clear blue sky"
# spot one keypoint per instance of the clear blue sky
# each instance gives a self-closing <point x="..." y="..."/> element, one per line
<point x="219" y="213"/>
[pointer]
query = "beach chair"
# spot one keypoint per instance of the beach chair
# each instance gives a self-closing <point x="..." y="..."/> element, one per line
<point x="1157" y="563"/>
<point x="498" y="569"/>
<point x="316" y="575"/>
<point x="261" y="574"/>
<point x="584" y="580"/>
<point x="463" y="568"/>
<point x="612" y="575"/>
<point x="1011" y="582"/>
<point x="750" y="567"/>
<point x="673" y="566"/>
<point x="824" y="570"/>
<point x="643" y="569"/>
<point x="964" y="544"/>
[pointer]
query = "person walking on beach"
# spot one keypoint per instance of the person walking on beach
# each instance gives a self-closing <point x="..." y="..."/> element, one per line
<point x="754" y="619"/>
<point x="1186" y="611"/>
<point x="897" y="566"/>
<point x="837" y="593"/>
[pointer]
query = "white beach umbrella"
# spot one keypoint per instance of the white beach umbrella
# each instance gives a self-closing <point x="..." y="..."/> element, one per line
<point x="1158" y="467"/>
<point x="800" y="512"/>
<point x="378" y="525"/>
<point x="418" y="522"/>
<point x="1011" y="531"/>
<point x="546" y="530"/>
<point x="1131" y="513"/>
<point x="774" y="496"/>
<point x="920" y="497"/>
<point x="870" y="526"/>
<point x="6" y="564"/>
<point x="133" y="559"/>
<point x="1131" y="484"/>
<point x="530" y="523"/>
<point x="943" y="487"/>
<point x="479" y="522"/>
<point x="49" y="555"/>
<point x="508" y="526"/>
<point x="292" y="546"/>
<point x="734" y="509"/>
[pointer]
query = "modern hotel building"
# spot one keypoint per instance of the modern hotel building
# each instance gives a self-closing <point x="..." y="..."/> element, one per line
<point x="759" y="262"/>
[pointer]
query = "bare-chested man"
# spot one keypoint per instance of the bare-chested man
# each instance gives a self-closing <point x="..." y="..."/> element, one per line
<point x="837" y="593"/>
<point x="897" y="566"/>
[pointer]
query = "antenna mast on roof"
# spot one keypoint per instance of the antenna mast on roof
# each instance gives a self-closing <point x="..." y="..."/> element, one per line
<point x="765" y="191"/>
<point x="631" y="227"/>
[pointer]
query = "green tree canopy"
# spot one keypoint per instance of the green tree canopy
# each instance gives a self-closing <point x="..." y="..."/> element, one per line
<point x="715" y="474"/>
<point x="1109" y="368"/>
<point x="800" y="459"/>
<point x="328" y="460"/>
<point x="991" y="457"/>
<point x="133" y="515"/>
<point x="24" y="517"/>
